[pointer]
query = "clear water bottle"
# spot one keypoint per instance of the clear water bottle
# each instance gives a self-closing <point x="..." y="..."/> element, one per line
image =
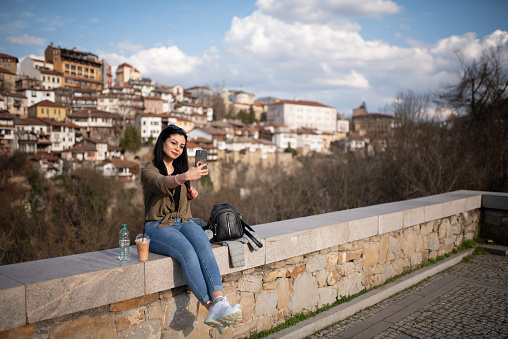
<point x="125" y="242"/>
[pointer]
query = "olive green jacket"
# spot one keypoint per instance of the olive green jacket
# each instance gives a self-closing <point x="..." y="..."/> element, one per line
<point x="159" y="200"/>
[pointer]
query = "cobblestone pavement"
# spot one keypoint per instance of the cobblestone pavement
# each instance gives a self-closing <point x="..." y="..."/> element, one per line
<point x="469" y="300"/>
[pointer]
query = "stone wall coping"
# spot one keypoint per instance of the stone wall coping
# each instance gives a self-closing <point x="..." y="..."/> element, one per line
<point x="495" y="200"/>
<point x="45" y="289"/>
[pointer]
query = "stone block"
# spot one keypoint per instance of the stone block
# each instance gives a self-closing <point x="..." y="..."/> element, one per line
<point x="315" y="263"/>
<point x="330" y="236"/>
<point x="69" y="284"/>
<point x="433" y="212"/>
<point x="250" y="283"/>
<point x="414" y="216"/>
<point x="391" y="222"/>
<point x="283" y="292"/>
<point x="266" y="302"/>
<point x="253" y="258"/>
<point x="331" y="260"/>
<point x="12" y="304"/>
<point x="370" y="254"/>
<point x="354" y="255"/>
<point x="180" y="313"/>
<point x="92" y="326"/>
<point x="326" y="295"/>
<point x="304" y="295"/>
<point x="148" y="330"/>
<point x="289" y="245"/>
<point x="334" y="276"/>
<point x="494" y="200"/>
<point x="363" y="228"/>
<point x="274" y="274"/>
<point x="129" y="319"/>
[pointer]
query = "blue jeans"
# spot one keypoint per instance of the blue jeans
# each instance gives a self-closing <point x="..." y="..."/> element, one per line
<point x="189" y="244"/>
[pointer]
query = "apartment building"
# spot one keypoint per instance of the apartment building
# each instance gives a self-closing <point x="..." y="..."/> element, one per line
<point x="299" y="113"/>
<point x="126" y="72"/>
<point x="41" y="70"/>
<point x="79" y="69"/>
<point x="149" y="125"/>
<point x="36" y="94"/>
<point x="6" y="133"/>
<point x="9" y="62"/>
<point x="47" y="109"/>
<point x="97" y="124"/>
<point x="373" y="125"/>
<point x="203" y="94"/>
<point x="84" y="98"/>
<point x="153" y="104"/>
<point x="7" y="80"/>
<point x="15" y="103"/>
<point x="62" y="134"/>
<point x="51" y="79"/>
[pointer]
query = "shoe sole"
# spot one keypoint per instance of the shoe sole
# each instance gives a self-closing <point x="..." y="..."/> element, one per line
<point x="227" y="320"/>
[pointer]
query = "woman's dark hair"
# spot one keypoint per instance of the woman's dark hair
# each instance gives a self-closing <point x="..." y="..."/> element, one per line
<point x="181" y="164"/>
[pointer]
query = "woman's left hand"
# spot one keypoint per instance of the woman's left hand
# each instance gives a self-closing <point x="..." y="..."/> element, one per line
<point x="192" y="193"/>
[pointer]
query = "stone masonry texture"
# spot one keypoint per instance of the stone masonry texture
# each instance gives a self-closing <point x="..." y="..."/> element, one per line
<point x="272" y="292"/>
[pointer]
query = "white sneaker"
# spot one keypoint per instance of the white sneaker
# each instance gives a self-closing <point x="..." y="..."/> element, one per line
<point x="222" y="314"/>
<point x="237" y="320"/>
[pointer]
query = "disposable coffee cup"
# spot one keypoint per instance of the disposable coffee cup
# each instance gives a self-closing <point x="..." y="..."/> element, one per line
<point x="143" y="244"/>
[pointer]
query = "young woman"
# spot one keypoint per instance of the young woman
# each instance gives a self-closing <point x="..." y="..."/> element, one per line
<point x="168" y="222"/>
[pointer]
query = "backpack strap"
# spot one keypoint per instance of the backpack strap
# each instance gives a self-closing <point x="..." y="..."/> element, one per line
<point x="246" y="230"/>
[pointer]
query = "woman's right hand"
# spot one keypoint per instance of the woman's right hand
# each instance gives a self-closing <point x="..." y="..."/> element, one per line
<point x="195" y="173"/>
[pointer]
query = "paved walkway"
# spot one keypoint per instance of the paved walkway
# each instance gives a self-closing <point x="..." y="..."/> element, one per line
<point x="458" y="300"/>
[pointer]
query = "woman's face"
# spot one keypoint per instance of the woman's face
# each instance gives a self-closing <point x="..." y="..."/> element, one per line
<point x="173" y="146"/>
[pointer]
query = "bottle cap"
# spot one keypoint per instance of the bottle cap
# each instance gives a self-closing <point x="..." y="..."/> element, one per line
<point x="124" y="225"/>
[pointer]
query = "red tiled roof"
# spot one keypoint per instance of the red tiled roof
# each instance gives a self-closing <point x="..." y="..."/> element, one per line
<point x="48" y="104"/>
<point x="5" y="70"/>
<point x="49" y="71"/>
<point x="30" y="121"/>
<point x="61" y="123"/>
<point x="81" y="149"/>
<point x="192" y="144"/>
<point x="92" y="112"/>
<point x="299" y="102"/>
<point x="14" y="95"/>
<point x="43" y="155"/>
<point x="2" y="55"/>
<point x="119" y="163"/>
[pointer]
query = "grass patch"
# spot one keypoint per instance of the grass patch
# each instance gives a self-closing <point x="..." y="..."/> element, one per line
<point x="295" y="319"/>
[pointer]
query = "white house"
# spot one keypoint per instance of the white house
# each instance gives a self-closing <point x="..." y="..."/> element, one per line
<point x="50" y="79"/>
<point x="168" y="101"/>
<point x="265" y="147"/>
<point x="216" y="136"/>
<point x="7" y="139"/>
<point x="298" y="114"/>
<point x="309" y="139"/>
<point x="149" y="125"/>
<point x="36" y="95"/>
<point x="126" y="170"/>
<point x="62" y="134"/>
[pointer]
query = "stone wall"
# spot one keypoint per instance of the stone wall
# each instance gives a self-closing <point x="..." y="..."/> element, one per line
<point x="305" y="263"/>
<point x="495" y="218"/>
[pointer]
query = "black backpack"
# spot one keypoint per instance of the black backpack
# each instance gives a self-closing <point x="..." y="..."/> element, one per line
<point x="227" y="224"/>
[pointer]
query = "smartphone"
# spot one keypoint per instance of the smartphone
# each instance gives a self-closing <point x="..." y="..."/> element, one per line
<point x="201" y="158"/>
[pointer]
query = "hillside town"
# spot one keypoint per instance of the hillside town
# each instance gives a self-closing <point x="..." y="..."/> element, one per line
<point x="67" y="111"/>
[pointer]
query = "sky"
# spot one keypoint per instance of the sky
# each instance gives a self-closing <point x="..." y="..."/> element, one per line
<point x="340" y="53"/>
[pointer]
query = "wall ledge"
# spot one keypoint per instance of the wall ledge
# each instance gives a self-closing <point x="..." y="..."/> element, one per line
<point x="49" y="288"/>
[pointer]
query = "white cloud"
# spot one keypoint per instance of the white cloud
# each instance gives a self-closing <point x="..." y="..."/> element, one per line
<point x="94" y="21"/>
<point x="128" y="46"/>
<point x="328" y="62"/>
<point x="26" y="40"/>
<point x="314" y="11"/>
